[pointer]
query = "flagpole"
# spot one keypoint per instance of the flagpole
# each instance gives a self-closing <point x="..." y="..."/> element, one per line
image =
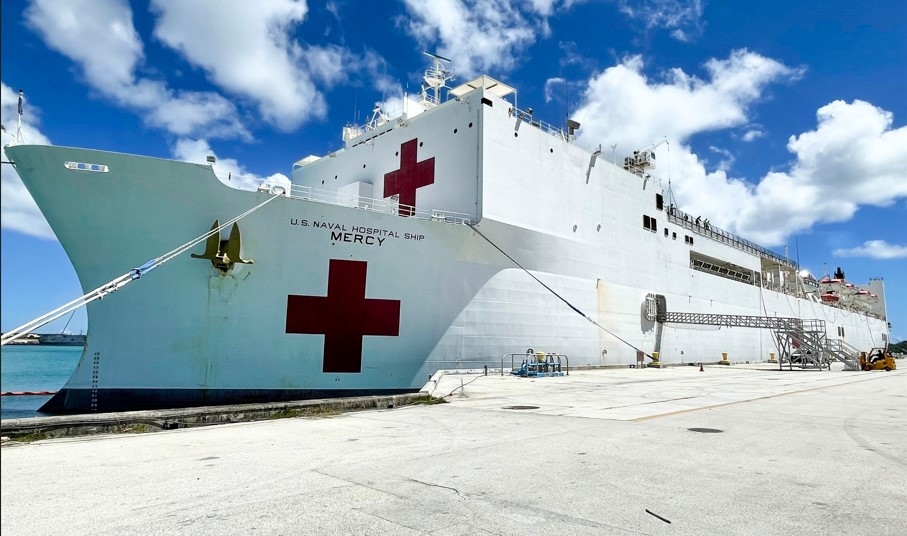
<point x="19" y="123"/>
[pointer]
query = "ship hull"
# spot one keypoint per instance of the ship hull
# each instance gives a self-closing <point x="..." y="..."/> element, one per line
<point x="352" y="296"/>
<point x="78" y="400"/>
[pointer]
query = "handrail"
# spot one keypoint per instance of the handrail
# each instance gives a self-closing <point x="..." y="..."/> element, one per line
<point x="332" y="197"/>
<point x="384" y="206"/>
<point x="683" y="219"/>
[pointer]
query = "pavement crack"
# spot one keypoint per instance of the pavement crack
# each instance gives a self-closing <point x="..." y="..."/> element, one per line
<point x="324" y="472"/>
<point x="436" y="486"/>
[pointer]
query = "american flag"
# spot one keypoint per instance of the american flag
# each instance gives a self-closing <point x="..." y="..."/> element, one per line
<point x="20" y="102"/>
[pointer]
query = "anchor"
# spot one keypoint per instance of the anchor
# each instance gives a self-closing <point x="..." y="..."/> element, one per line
<point x="223" y="254"/>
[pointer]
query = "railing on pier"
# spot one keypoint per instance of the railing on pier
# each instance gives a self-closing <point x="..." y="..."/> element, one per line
<point x="552" y="362"/>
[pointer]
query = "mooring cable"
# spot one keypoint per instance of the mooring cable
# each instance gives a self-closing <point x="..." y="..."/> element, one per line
<point x="121" y="281"/>
<point x="549" y="289"/>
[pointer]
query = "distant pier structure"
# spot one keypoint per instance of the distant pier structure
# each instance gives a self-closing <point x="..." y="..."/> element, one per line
<point x="51" y="339"/>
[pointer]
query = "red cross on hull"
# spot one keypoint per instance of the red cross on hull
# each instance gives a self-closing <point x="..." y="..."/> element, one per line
<point x="411" y="176"/>
<point x="344" y="316"/>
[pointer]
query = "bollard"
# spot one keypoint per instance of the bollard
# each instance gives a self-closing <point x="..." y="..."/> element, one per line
<point x="724" y="360"/>
<point x="656" y="361"/>
<point x="771" y="357"/>
<point x="486" y="370"/>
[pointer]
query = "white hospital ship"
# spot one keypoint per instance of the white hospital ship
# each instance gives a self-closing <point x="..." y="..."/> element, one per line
<point x="434" y="241"/>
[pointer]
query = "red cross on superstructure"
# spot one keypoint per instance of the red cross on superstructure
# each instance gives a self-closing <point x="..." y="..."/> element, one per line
<point x="411" y="176"/>
<point x="344" y="316"/>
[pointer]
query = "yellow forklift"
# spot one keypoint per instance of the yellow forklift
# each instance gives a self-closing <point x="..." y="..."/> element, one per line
<point x="877" y="359"/>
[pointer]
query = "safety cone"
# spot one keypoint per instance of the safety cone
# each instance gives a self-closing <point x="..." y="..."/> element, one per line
<point x="700" y="368"/>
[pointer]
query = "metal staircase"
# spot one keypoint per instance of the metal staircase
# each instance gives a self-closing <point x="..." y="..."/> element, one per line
<point x="802" y="343"/>
<point x="850" y="356"/>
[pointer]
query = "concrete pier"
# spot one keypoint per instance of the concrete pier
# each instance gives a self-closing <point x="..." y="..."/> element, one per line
<point x="729" y="450"/>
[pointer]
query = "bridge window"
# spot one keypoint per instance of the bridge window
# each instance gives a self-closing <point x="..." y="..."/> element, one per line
<point x="649" y="223"/>
<point x="659" y="202"/>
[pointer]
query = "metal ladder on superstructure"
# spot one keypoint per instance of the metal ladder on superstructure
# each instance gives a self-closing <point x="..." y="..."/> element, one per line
<point x="808" y="336"/>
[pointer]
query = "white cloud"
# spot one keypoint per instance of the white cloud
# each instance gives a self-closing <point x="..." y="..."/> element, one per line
<point x="100" y="37"/>
<point x="874" y="249"/>
<point x="621" y="104"/>
<point x="752" y="134"/>
<point x="727" y="158"/>
<point x="248" y="50"/>
<point x="553" y="85"/>
<point x="482" y="36"/>
<point x="683" y="19"/>
<point x="228" y="170"/>
<point x="478" y="35"/>
<point x="853" y="158"/>
<point x="18" y="209"/>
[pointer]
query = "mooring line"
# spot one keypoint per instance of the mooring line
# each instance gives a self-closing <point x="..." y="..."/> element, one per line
<point x="549" y="289"/>
<point x="121" y="281"/>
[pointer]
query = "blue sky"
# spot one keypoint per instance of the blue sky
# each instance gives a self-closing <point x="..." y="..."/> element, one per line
<point x="785" y="123"/>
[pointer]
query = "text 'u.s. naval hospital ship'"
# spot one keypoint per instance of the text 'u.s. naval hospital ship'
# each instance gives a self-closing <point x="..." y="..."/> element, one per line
<point x="432" y="241"/>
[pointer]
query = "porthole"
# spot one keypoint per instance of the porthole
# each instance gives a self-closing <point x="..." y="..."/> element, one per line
<point x="516" y="134"/>
<point x="598" y="227"/>
<point x="421" y="144"/>
<point x="455" y="131"/>
<point x="363" y="166"/>
<point x="470" y="125"/>
<point x="574" y="228"/>
<point x="397" y="153"/>
<point x="551" y="151"/>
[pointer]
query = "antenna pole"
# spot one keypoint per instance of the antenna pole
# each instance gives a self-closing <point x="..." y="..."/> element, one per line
<point x="19" y="121"/>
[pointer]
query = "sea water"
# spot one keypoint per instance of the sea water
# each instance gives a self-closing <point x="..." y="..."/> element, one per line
<point x="33" y="368"/>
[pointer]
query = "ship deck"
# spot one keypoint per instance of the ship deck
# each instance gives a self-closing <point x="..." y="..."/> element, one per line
<point x="741" y="449"/>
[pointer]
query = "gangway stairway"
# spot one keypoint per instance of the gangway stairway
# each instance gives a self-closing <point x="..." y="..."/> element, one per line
<point x="808" y="337"/>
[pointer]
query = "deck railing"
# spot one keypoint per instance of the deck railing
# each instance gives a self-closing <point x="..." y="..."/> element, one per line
<point x="677" y="216"/>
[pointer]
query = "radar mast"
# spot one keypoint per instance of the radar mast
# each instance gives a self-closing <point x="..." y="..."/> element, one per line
<point x="435" y="77"/>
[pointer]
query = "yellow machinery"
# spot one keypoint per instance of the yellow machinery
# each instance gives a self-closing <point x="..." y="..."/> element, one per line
<point x="878" y="359"/>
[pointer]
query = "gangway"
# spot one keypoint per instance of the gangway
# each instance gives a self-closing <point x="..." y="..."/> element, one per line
<point x="801" y="342"/>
